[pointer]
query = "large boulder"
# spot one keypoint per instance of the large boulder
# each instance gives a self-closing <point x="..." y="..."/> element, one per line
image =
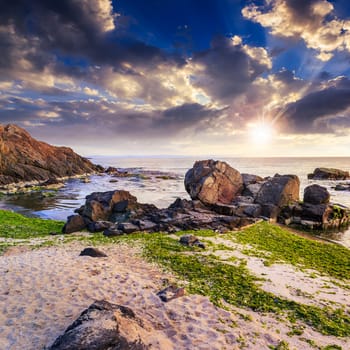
<point x="279" y="190"/>
<point x="104" y="326"/>
<point x="101" y="205"/>
<point x="329" y="174"/>
<point x="213" y="182"/>
<point x="316" y="194"/>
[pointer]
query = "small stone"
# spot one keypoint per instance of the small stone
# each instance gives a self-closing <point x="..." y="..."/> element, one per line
<point x="93" y="252"/>
<point x="171" y="292"/>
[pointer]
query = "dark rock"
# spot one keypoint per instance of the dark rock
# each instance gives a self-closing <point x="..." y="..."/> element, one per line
<point x="342" y="187"/>
<point x="103" y="326"/>
<point x="112" y="231"/>
<point x="99" y="226"/>
<point x="243" y="199"/>
<point x="250" y="179"/>
<point x="270" y="211"/>
<point x="318" y="213"/>
<point x="213" y="182"/>
<point x="224" y="209"/>
<point x="191" y="240"/>
<point x="279" y="190"/>
<point x="128" y="227"/>
<point x="316" y="194"/>
<point x="171" y="292"/>
<point x="74" y="223"/>
<point x="252" y="210"/>
<point x="329" y="174"/>
<point x="252" y="190"/>
<point x="93" y="252"/>
<point x="146" y="225"/>
<point x="23" y="158"/>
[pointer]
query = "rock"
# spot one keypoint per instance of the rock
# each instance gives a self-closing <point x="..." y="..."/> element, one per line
<point x="316" y="194"/>
<point x="74" y="223"/>
<point x="270" y="211"/>
<point x="316" y="212"/>
<point x="99" y="226"/>
<point x="93" y="252"/>
<point x="213" y="182"/>
<point x="191" y="240"/>
<point x="279" y="190"/>
<point x="112" y="231"/>
<point x="101" y="205"/>
<point x="146" y="225"/>
<point x="342" y="187"/>
<point x="128" y="227"/>
<point x="23" y="158"/>
<point x="252" y="190"/>
<point x="171" y="292"/>
<point x="329" y="174"/>
<point x="251" y="179"/>
<point x="104" y="326"/>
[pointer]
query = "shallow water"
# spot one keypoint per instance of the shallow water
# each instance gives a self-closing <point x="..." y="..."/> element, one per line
<point x="161" y="192"/>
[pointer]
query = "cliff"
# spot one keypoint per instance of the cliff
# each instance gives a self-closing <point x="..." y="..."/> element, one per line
<point x="23" y="158"/>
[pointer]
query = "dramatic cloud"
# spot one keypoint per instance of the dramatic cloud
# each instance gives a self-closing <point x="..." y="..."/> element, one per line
<point x="318" y="111"/>
<point x="74" y="69"/>
<point x="310" y="20"/>
<point x="228" y="68"/>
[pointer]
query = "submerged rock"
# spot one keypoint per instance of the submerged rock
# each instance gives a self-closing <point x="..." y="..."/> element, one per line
<point x="329" y="174"/>
<point x="213" y="182"/>
<point x="104" y="326"/>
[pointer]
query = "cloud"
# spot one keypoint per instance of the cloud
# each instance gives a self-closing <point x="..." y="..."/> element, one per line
<point x="318" y="111"/>
<point x="310" y="20"/>
<point x="228" y="68"/>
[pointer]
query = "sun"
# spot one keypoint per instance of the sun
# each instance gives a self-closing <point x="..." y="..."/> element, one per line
<point x="261" y="133"/>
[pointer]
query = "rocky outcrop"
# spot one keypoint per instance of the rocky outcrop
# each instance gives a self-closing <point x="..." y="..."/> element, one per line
<point x="104" y="326"/>
<point x="328" y="174"/>
<point x="24" y="159"/>
<point x="213" y="182"/>
<point x="125" y="215"/>
<point x="315" y="212"/>
<point x="342" y="187"/>
<point x="275" y="198"/>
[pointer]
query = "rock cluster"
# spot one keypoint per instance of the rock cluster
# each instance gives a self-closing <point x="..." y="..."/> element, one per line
<point x="222" y="200"/>
<point x="328" y="174"/>
<point x="25" y="159"/>
<point x="315" y="212"/>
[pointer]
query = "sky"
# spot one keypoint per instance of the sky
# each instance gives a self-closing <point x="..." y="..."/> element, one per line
<point x="184" y="77"/>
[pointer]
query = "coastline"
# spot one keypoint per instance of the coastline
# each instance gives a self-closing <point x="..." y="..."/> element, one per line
<point x="46" y="285"/>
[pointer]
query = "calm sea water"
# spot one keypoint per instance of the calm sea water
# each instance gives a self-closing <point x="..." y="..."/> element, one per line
<point x="162" y="192"/>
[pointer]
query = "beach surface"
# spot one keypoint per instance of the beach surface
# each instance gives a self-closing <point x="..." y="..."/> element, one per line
<point x="44" y="290"/>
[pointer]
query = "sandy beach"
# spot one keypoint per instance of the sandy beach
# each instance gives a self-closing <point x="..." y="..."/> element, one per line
<point x="43" y="291"/>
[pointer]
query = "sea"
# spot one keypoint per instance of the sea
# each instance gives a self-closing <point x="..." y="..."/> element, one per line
<point x="163" y="181"/>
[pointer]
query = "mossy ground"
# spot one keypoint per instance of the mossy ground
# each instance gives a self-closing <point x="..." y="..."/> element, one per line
<point x="206" y="274"/>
